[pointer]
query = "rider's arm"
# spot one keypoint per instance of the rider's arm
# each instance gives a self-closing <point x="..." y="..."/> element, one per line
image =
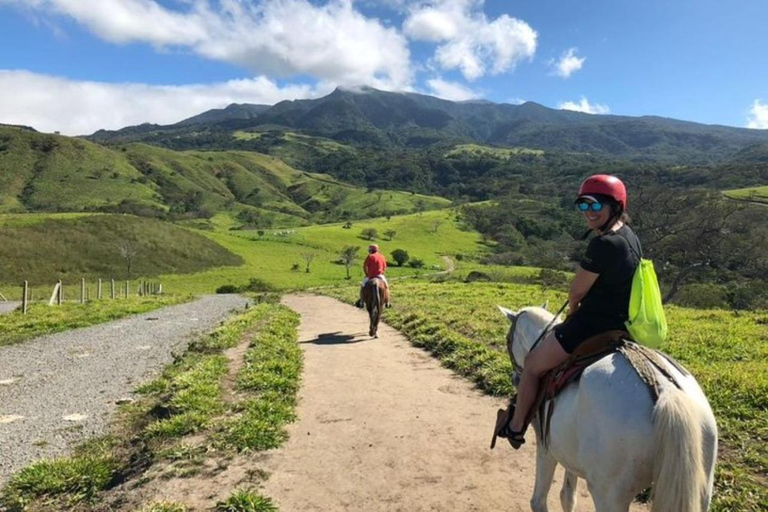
<point x="580" y="285"/>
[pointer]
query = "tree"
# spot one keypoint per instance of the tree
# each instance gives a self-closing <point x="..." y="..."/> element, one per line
<point x="128" y="250"/>
<point x="390" y="234"/>
<point x="400" y="256"/>
<point x="308" y="258"/>
<point x="687" y="232"/>
<point x="370" y="233"/>
<point x="348" y="256"/>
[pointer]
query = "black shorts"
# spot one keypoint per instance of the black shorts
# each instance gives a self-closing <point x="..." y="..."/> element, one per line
<point x="581" y="326"/>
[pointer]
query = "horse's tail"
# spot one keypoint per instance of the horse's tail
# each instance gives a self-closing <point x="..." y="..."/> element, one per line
<point x="375" y="292"/>
<point x="680" y="483"/>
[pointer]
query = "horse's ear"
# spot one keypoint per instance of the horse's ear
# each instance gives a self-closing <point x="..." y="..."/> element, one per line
<point x="545" y="306"/>
<point x="511" y="315"/>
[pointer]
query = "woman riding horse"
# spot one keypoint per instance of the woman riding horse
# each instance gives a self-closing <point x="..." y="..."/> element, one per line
<point x="599" y="294"/>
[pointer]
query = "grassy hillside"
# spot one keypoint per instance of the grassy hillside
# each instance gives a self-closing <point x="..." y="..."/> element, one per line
<point x="40" y="172"/>
<point x="756" y="194"/>
<point x="43" y="249"/>
<point x="277" y="257"/>
<point x="476" y="150"/>
<point x="726" y="351"/>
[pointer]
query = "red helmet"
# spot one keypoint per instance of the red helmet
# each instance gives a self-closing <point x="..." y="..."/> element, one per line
<point x="606" y="185"/>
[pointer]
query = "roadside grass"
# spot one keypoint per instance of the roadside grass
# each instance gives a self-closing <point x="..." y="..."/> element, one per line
<point x="186" y="399"/>
<point x="42" y="319"/>
<point x="726" y="351"/>
<point x="246" y="500"/>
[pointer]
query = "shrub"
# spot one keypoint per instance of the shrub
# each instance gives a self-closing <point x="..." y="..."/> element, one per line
<point x="477" y="276"/>
<point x="227" y="288"/>
<point x="257" y="285"/>
<point x="553" y="279"/>
<point x="416" y="263"/>
<point x="400" y="256"/>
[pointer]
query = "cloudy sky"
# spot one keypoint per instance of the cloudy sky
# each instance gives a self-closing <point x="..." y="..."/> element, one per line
<point x="76" y="66"/>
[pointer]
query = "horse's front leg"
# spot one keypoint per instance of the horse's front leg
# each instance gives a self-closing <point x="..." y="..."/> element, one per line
<point x="545" y="472"/>
<point x="568" y="492"/>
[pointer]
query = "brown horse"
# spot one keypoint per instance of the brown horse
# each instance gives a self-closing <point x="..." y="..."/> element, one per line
<point x="375" y="296"/>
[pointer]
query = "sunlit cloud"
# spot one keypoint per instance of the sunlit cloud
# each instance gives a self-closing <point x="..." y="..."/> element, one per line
<point x="49" y="103"/>
<point x="467" y="40"/>
<point x="568" y="64"/>
<point x="758" y="116"/>
<point x="584" y="106"/>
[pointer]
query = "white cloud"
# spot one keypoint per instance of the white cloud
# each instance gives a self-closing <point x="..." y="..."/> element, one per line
<point x="584" y="106"/>
<point x="568" y="64"/>
<point x="758" y="116"/>
<point x="450" y="90"/>
<point x="50" y="103"/>
<point x="468" y="41"/>
<point x="332" y="42"/>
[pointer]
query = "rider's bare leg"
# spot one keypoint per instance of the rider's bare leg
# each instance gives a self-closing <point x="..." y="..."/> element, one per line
<point x="543" y="358"/>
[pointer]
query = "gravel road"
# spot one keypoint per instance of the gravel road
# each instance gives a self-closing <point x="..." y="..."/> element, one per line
<point x="60" y="389"/>
<point x="7" y="307"/>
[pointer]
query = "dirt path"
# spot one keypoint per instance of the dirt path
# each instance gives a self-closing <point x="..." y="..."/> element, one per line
<point x="382" y="426"/>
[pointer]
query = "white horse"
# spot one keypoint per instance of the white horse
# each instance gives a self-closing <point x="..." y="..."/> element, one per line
<point x="606" y="429"/>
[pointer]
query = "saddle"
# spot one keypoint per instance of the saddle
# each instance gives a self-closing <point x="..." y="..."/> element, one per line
<point x="644" y="360"/>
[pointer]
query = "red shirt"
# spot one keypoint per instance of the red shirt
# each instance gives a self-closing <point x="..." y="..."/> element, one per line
<point x="375" y="264"/>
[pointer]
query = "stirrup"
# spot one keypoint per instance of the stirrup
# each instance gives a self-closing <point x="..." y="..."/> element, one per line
<point x="503" y="418"/>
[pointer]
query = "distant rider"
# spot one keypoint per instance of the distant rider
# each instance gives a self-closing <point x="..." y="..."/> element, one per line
<point x="374" y="266"/>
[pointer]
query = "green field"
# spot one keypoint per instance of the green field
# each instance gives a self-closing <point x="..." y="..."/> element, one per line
<point x="756" y="194"/>
<point x="727" y="351"/>
<point x="271" y="256"/>
<point x="462" y="150"/>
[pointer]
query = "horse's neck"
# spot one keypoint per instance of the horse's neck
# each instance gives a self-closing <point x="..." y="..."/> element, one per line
<point x="536" y="319"/>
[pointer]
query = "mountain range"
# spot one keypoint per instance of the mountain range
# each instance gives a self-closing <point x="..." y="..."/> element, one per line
<point x="370" y="118"/>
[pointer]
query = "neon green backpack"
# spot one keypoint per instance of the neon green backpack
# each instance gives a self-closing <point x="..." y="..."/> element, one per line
<point x="646" y="324"/>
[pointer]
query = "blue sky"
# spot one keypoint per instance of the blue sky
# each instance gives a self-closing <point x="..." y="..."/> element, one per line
<point x="79" y="65"/>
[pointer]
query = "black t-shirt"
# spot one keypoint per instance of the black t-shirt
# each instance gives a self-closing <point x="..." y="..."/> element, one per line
<point x="614" y="256"/>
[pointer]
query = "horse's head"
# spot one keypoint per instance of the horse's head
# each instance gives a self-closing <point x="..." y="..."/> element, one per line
<point x="527" y="325"/>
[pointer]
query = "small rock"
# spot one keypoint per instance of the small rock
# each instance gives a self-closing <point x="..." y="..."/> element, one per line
<point x="10" y="419"/>
<point x="124" y="400"/>
<point x="75" y="417"/>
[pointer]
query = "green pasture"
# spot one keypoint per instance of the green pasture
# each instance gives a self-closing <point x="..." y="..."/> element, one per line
<point x="489" y="151"/>
<point x="727" y="351"/>
<point x="756" y="194"/>
<point x="271" y="257"/>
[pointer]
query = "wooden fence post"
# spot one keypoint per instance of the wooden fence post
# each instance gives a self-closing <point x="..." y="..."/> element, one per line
<point x="61" y="292"/>
<point x="55" y="294"/>
<point x="24" y="298"/>
<point x="127" y="289"/>
<point x="98" y="294"/>
<point x="82" y="291"/>
<point x="112" y="290"/>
